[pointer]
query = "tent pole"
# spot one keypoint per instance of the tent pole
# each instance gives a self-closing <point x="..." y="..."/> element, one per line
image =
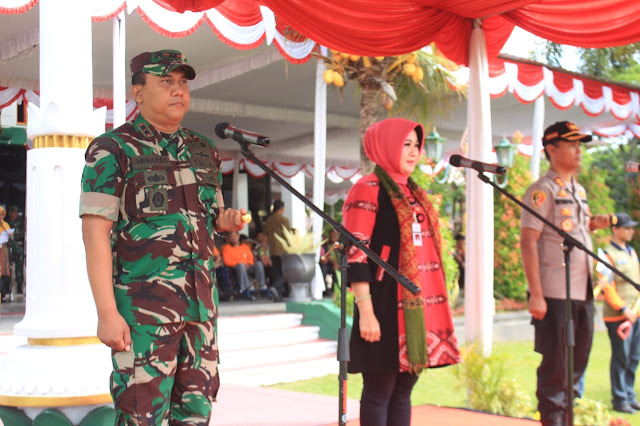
<point x="478" y="298"/>
<point x="119" y="71"/>
<point x="319" y="165"/>
<point x="536" y="136"/>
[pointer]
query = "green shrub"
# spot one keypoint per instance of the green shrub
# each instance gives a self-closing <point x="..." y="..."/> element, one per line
<point x="508" y="275"/>
<point x="338" y="301"/>
<point x="588" y="412"/>
<point x="489" y="385"/>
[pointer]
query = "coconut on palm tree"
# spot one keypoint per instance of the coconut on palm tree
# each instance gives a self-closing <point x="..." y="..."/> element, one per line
<point x="413" y="85"/>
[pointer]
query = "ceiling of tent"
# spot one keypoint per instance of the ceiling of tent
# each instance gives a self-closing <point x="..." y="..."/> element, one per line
<point x="276" y="100"/>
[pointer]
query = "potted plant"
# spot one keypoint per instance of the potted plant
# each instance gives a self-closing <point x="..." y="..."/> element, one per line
<point x="299" y="262"/>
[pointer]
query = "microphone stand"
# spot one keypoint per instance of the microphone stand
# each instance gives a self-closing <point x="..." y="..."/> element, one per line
<point x="345" y="238"/>
<point x="567" y="245"/>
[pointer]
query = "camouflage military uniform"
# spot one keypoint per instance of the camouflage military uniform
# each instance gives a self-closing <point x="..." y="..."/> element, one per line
<point x="160" y="190"/>
<point x="16" y="251"/>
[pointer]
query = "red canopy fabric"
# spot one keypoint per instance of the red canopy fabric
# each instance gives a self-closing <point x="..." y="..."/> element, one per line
<point x="383" y="27"/>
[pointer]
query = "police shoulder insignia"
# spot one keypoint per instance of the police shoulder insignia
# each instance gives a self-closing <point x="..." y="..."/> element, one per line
<point x="559" y="181"/>
<point x="567" y="225"/>
<point x="566" y="212"/>
<point x="538" y="198"/>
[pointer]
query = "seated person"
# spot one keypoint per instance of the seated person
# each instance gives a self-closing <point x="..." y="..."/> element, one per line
<point x="225" y="286"/>
<point x="238" y="257"/>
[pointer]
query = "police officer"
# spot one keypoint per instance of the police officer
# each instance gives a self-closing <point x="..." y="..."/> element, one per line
<point x="559" y="198"/>
<point x="150" y="204"/>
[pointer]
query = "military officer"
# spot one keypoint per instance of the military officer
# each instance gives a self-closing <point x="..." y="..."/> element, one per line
<point x="559" y="198"/>
<point x="150" y="204"/>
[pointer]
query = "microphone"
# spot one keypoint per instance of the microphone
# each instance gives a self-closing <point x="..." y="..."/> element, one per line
<point x="632" y="167"/>
<point x="460" y="161"/>
<point x="226" y="130"/>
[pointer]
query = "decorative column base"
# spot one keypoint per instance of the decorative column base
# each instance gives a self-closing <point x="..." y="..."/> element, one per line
<point x="61" y="141"/>
<point x="97" y="416"/>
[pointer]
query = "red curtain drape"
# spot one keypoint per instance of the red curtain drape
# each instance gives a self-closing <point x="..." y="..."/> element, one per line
<point x="585" y="23"/>
<point x="384" y="27"/>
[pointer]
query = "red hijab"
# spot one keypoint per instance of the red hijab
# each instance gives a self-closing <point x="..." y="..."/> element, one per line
<point x="384" y="140"/>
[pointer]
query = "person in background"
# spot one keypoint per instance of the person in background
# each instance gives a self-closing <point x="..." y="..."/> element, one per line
<point x="331" y="265"/>
<point x="620" y="298"/>
<point x="273" y="226"/>
<point x="276" y="281"/>
<point x="559" y="198"/>
<point x="459" y="257"/>
<point x="151" y="202"/>
<point x="225" y="286"/>
<point x="5" y="264"/>
<point x="394" y="331"/>
<point x="16" y="246"/>
<point x="239" y="258"/>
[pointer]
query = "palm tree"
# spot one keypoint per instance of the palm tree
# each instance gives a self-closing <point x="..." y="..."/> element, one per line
<point x="397" y="84"/>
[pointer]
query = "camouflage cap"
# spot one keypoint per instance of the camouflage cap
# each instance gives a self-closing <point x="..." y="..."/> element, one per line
<point x="161" y="63"/>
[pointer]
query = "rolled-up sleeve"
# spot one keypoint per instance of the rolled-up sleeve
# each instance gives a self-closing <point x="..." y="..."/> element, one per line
<point x="102" y="179"/>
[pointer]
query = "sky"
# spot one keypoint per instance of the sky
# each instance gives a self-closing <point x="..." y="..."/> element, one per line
<point x="521" y="43"/>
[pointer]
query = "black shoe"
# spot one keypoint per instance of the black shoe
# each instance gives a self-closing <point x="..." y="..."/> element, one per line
<point x="623" y="407"/>
<point x="555" y="418"/>
<point x="247" y="296"/>
<point x="635" y="405"/>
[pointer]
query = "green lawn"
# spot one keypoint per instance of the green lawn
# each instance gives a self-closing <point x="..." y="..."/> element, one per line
<point x="440" y="386"/>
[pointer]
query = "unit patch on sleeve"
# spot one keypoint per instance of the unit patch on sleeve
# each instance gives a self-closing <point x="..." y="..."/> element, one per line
<point x="538" y="198"/>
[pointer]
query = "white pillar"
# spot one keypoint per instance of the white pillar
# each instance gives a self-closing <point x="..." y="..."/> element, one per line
<point x="536" y="136"/>
<point x="478" y="298"/>
<point x="63" y="363"/>
<point x="319" y="165"/>
<point x="295" y="209"/>
<point x="119" y="71"/>
<point x="240" y="192"/>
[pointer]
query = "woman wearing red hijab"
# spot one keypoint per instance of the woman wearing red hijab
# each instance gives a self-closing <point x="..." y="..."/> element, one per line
<point x="395" y="334"/>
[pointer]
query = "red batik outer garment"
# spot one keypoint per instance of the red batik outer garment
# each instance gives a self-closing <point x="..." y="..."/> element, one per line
<point x="360" y="219"/>
<point x="369" y="214"/>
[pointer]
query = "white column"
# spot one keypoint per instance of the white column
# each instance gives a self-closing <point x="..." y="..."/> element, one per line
<point x="60" y="320"/>
<point x="119" y="71"/>
<point x="294" y="209"/>
<point x="536" y="136"/>
<point x="240" y="195"/>
<point x="319" y="165"/>
<point x="478" y="298"/>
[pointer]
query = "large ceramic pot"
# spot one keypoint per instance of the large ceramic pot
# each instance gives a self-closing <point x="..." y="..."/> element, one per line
<point x="298" y="270"/>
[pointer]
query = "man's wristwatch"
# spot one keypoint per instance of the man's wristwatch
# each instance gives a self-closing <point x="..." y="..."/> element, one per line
<point x="223" y="234"/>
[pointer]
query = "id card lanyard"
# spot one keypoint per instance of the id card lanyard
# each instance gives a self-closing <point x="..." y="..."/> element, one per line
<point x="417" y="232"/>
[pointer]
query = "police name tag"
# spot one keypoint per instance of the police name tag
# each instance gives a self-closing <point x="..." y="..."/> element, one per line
<point x="417" y="234"/>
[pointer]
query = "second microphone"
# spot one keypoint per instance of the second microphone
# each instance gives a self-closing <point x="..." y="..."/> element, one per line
<point x="226" y="130"/>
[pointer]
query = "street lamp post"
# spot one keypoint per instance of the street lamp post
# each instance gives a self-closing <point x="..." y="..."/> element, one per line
<point x="434" y="148"/>
<point x="505" y="152"/>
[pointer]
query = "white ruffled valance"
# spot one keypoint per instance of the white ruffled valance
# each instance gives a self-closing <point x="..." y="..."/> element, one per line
<point x="528" y="81"/>
<point x="283" y="168"/>
<point x="175" y="25"/>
